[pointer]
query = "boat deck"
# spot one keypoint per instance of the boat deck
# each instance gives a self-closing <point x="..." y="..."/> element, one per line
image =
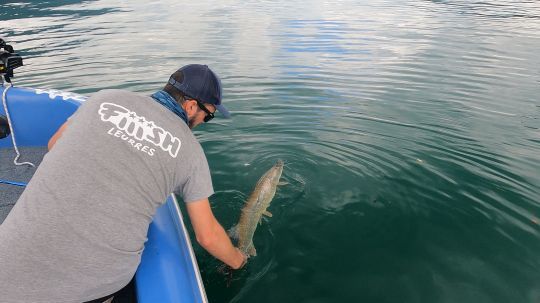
<point x="9" y="194"/>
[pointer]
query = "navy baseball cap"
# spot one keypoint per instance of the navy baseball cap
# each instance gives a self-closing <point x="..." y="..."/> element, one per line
<point x="202" y="84"/>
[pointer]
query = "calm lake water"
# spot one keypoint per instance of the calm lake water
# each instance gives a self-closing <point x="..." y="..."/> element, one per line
<point x="410" y="129"/>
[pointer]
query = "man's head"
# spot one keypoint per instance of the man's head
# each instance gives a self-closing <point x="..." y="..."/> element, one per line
<point x="198" y="90"/>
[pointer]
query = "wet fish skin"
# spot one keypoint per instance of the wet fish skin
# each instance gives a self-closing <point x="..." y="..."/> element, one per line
<point x="255" y="207"/>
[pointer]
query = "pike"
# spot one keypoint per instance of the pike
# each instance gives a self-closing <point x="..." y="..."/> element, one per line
<point x="255" y="207"/>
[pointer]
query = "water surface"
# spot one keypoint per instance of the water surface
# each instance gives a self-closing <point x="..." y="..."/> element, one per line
<point x="410" y="129"/>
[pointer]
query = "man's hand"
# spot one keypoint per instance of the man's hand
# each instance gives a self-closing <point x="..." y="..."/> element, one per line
<point x="244" y="259"/>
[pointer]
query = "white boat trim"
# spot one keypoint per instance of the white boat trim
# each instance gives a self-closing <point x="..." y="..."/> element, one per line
<point x="191" y="252"/>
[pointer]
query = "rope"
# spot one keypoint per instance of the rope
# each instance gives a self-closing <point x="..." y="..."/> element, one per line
<point x="13" y="183"/>
<point x="4" y="102"/>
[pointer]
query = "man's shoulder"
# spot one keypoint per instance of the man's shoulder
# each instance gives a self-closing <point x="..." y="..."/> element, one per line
<point x="118" y="97"/>
<point x="105" y="93"/>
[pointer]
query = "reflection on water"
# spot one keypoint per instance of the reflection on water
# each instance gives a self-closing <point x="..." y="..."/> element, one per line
<point x="410" y="131"/>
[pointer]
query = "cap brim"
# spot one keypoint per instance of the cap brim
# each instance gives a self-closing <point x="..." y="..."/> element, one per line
<point x="223" y="111"/>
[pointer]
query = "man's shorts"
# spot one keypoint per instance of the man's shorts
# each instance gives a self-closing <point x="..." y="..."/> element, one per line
<point x="124" y="295"/>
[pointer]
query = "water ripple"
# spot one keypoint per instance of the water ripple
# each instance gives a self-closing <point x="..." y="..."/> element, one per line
<point x="410" y="132"/>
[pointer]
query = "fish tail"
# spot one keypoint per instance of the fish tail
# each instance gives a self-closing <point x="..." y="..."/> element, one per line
<point x="227" y="271"/>
<point x="229" y="277"/>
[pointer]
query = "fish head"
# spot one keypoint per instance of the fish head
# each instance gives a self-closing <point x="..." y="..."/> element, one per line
<point x="276" y="171"/>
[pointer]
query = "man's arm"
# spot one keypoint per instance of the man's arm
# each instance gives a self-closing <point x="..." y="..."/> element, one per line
<point x="56" y="136"/>
<point x="211" y="235"/>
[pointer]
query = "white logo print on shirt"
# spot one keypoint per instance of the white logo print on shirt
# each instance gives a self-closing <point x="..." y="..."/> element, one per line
<point x="130" y="125"/>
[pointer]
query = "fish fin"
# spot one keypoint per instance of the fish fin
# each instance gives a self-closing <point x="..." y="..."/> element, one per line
<point x="267" y="213"/>
<point x="251" y="250"/>
<point x="233" y="232"/>
<point x="283" y="183"/>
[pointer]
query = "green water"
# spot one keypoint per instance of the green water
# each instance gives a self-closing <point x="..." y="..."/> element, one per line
<point x="410" y="129"/>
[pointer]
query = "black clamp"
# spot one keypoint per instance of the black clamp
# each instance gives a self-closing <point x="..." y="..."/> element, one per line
<point x="9" y="61"/>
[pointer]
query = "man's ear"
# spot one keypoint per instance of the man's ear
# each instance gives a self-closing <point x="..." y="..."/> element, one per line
<point x="190" y="106"/>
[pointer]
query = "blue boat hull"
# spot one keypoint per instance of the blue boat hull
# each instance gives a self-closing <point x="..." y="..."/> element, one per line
<point x="168" y="271"/>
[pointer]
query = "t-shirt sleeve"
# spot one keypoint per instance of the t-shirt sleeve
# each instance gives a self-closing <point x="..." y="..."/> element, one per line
<point x="199" y="182"/>
<point x="85" y="105"/>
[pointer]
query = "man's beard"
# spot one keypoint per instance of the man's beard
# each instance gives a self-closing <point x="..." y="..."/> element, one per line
<point x="190" y="123"/>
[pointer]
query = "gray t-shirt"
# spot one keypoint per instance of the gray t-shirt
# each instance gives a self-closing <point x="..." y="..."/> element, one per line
<point x="78" y="230"/>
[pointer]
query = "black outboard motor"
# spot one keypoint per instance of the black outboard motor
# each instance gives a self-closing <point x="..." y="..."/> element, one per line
<point x="9" y="61"/>
<point x="4" y="127"/>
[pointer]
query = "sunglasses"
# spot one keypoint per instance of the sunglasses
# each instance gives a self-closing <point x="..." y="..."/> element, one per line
<point x="209" y="115"/>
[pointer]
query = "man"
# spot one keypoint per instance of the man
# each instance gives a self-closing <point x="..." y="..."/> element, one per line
<point x="77" y="232"/>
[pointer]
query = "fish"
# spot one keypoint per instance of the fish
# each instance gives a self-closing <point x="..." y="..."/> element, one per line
<point x="255" y="207"/>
